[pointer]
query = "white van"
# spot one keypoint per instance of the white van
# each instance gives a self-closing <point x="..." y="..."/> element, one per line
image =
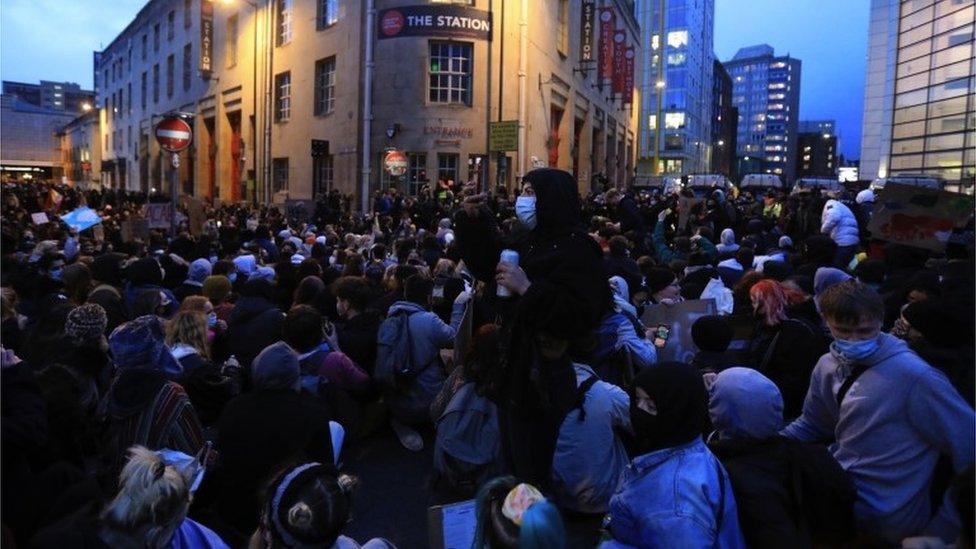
<point x="761" y="181"/>
<point x="924" y="181"/>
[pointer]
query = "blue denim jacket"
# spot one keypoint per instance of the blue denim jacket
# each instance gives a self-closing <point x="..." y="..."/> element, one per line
<point x="676" y="497"/>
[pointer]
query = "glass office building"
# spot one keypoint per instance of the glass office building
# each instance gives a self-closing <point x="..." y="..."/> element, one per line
<point x="766" y="90"/>
<point x="919" y="105"/>
<point x="676" y="85"/>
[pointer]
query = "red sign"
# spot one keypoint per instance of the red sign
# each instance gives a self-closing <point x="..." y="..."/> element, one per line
<point x="396" y="163"/>
<point x="629" y="56"/>
<point x="619" y="62"/>
<point x="173" y="134"/>
<point x="391" y="23"/>
<point x="607" y="18"/>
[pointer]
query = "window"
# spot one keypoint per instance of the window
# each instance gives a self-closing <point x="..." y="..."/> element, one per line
<point x="156" y="38"/>
<point x="232" y="40"/>
<point x="328" y="13"/>
<point x="322" y="174"/>
<point x="107" y="82"/>
<point x="417" y="173"/>
<point x="155" y="83"/>
<point x="128" y="99"/>
<point x="145" y="46"/>
<point x="678" y="39"/>
<point x="187" y="13"/>
<point x="170" y="24"/>
<point x="563" y="18"/>
<point x="170" y="74"/>
<point x="447" y="166"/>
<point x="449" y="75"/>
<point x="284" y="21"/>
<point x="677" y="59"/>
<point x="187" y="65"/>
<point x="279" y="174"/>
<point x="283" y="97"/>
<point x="324" y="86"/>
<point x="142" y="89"/>
<point x="674" y="120"/>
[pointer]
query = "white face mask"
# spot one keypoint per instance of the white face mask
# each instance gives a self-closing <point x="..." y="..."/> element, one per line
<point x="525" y="211"/>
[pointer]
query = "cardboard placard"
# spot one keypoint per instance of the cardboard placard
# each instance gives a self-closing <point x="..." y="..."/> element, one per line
<point x="917" y="216"/>
<point x="159" y="215"/>
<point x="81" y="218"/>
<point x="452" y="526"/>
<point x="678" y="318"/>
<point x="39" y="218"/>
<point x="196" y="211"/>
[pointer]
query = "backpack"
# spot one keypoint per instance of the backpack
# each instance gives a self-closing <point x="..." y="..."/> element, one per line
<point x="394" y="353"/>
<point x="467" y="447"/>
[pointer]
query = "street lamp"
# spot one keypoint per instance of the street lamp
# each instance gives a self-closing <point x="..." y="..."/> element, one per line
<point x="720" y="143"/>
<point x="659" y="84"/>
<point x="254" y="96"/>
<point x="86" y="106"/>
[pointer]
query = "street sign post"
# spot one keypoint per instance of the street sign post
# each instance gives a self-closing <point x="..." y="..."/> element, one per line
<point x="174" y="135"/>
<point x="503" y="136"/>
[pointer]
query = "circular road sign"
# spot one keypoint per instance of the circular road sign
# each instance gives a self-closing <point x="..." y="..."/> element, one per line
<point x="173" y="134"/>
<point x="396" y="163"/>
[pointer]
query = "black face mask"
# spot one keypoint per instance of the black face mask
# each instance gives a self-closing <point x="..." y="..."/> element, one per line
<point x="646" y="426"/>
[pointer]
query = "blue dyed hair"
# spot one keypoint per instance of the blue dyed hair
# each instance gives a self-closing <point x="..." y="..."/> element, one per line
<point x="542" y="527"/>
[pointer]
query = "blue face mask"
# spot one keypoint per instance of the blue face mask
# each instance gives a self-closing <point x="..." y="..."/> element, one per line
<point x="525" y="211"/>
<point x="232" y="277"/>
<point x="855" y="350"/>
<point x="211" y="320"/>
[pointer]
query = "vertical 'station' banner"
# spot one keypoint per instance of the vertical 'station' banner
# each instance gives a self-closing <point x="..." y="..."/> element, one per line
<point x="630" y="54"/>
<point x="606" y="43"/>
<point x="587" y="21"/>
<point x="206" y="36"/>
<point x="619" y="62"/>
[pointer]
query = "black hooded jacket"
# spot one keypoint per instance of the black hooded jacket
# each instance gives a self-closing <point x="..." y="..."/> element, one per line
<point x="255" y="322"/>
<point x="568" y="296"/>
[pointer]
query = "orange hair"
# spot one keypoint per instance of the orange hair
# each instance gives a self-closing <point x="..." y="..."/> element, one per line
<point x="775" y="298"/>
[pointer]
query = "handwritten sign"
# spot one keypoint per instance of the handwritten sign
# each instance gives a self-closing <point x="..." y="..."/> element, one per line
<point x="917" y="216"/>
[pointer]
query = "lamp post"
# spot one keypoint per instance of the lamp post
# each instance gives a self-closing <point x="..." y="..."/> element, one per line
<point x="254" y="96"/>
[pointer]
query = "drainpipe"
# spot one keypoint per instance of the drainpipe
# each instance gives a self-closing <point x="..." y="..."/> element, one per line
<point x="522" y="73"/>
<point x="268" y="99"/>
<point x="367" y="103"/>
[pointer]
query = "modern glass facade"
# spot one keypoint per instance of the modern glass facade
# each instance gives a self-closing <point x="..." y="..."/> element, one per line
<point x="934" y="118"/>
<point x="920" y="115"/>
<point x="766" y="90"/>
<point x="678" y="62"/>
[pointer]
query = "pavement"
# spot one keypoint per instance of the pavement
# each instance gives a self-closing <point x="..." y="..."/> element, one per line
<point x="395" y="491"/>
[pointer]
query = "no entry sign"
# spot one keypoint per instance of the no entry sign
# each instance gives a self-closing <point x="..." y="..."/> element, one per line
<point x="173" y="134"/>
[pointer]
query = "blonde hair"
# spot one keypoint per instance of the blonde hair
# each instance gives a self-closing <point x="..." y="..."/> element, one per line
<point x="190" y="328"/>
<point x="152" y="500"/>
<point x="444" y="266"/>
<point x="195" y="303"/>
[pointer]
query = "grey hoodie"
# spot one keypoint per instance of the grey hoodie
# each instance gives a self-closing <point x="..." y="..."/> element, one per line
<point x="743" y="403"/>
<point x="893" y="424"/>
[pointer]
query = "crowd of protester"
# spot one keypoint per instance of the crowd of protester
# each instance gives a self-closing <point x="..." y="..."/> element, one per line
<point x="198" y="390"/>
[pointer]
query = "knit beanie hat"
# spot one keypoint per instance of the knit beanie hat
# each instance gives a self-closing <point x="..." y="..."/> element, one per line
<point x="216" y="288"/>
<point x="711" y="333"/>
<point x="140" y="343"/>
<point x="658" y="279"/>
<point x="276" y="367"/>
<point x="86" y="323"/>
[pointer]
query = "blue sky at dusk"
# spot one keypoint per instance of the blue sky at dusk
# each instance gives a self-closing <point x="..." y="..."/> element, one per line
<point x="54" y="40"/>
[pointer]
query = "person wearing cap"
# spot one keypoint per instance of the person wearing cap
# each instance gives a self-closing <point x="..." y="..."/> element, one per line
<point x="260" y="431"/>
<point x="107" y="279"/>
<point x="199" y="270"/>
<point x="218" y="290"/>
<point x="144" y="405"/>
<point x="662" y="286"/>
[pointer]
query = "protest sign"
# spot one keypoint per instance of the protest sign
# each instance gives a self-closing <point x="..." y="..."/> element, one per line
<point x="81" y="218"/>
<point x="39" y="218"/>
<point x="158" y="215"/>
<point x="678" y="318"/>
<point x="917" y="216"/>
<point x="196" y="211"/>
<point x="452" y="526"/>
